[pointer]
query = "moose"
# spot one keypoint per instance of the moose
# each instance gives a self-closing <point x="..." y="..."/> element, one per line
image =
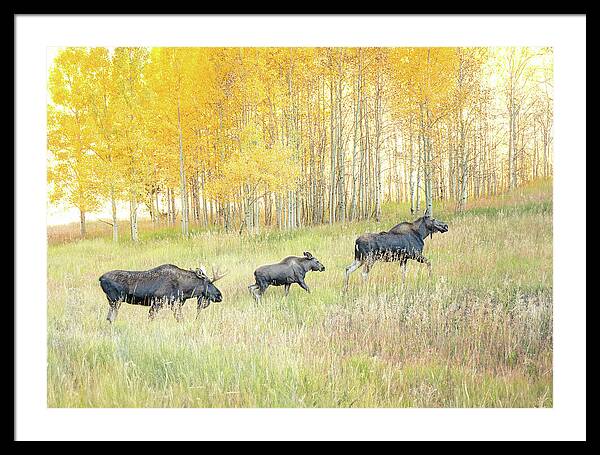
<point x="166" y="284"/>
<point x="403" y="242"/>
<point x="288" y="271"/>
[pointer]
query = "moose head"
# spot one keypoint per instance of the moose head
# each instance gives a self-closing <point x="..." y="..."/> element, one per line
<point x="429" y="225"/>
<point x="209" y="290"/>
<point x="314" y="263"/>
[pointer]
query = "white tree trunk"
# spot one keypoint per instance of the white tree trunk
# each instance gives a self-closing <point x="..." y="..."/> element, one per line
<point x="82" y="227"/>
<point x="133" y="219"/>
<point x="184" y="208"/>
<point x="114" y="215"/>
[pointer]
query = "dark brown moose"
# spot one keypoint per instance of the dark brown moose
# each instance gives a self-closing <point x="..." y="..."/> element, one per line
<point x="166" y="284"/>
<point x="403" y="242"/>
<point x="288" y="271"/>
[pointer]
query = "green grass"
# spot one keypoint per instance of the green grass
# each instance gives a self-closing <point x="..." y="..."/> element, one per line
<point x="478" y="334"/>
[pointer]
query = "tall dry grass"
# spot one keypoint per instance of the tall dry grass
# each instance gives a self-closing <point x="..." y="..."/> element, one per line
<point x="478" y="334"/>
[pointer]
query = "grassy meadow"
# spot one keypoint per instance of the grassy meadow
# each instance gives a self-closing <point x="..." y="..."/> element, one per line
<point x="477" y="334"/>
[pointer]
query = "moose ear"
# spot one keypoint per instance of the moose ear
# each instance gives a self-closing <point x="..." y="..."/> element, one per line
<point x="201" y="273"/>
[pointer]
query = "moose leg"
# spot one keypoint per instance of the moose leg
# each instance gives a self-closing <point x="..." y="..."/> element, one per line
<point x="258" y="294"/>
<point x="423" y="260"/>
<point x="112" y="311"/>
<point x="287" y="289"/>
<point x="304" y="286"/>
<point x="403" y="264"/>
<point x="154" y="307"/>
<point x="256" y="291"/>
<point x="367" y="269"/>
<point x="177" y="307"/>
<point x="201" y="305"/>
<point x="351" y="268"/>
<point x="262" y="286"/>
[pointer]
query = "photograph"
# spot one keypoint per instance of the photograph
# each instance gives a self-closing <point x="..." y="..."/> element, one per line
<point x="349" y="227"/>
<point x="300" y="227"/>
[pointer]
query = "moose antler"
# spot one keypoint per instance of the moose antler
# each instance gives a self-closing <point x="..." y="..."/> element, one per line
<point x="217" y="274"/>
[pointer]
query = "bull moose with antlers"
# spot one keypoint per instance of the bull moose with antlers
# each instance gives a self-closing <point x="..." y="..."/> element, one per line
<point x="403" y="242"/>
<point x="166" y="284"/>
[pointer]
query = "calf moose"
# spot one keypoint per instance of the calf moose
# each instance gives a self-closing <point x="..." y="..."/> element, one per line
<point x="165" y="284"/>
<point x="290" y="270"/>
<point x="403" y="242"/>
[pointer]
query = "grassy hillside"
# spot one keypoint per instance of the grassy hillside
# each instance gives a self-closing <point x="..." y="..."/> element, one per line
<point x="478" y="334"/>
